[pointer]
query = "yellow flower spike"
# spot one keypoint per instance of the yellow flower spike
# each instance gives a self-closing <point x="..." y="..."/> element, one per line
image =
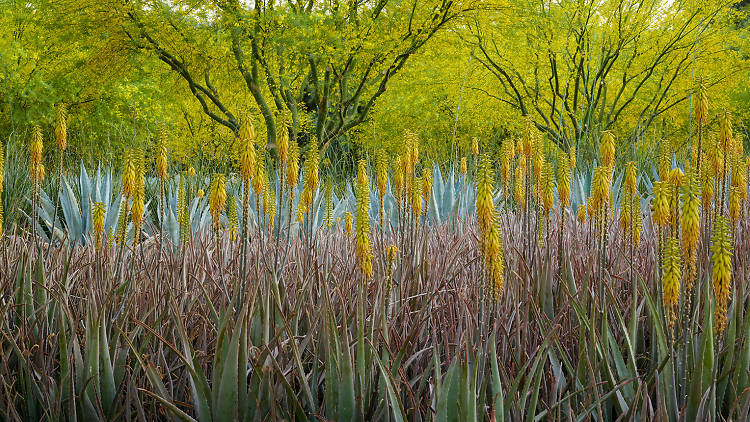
<point x="292" y="168"/>
<point x="283" y="142"/>
<point x="247" y="133"/>
<point x="128" y="174"/>
<point x="404" y="163"/>
<point x="39" y="173"/>
<point x="494" y="258"/>
<point x="475" y="146"/>
<point x="726" y="140"/>
<point x="690" y="226"/>
<point x="61" y="127"/>
<point x="630" y="178"/>
<point x="258" y="175"/>
<point x="248" y="165"/>
<point x="675" y="177"/>
<point x="364" y="248"/>
<point x="416" y="202"/>
<point x="582" y="213"/>
<point x="665" y="161"/>
<point x="191" y="172"/>
<point x="427" y="186"/>
<point x="721" y="274"/>
<point x="518" y="188"/>
<point x="183" y="214"/>
<point x="398" y="177"/>
<point x="36" y="146"/>
<point x="301" y="213"/>
<point x="522" y="163"/>
<point x="217" y="198"/>
<point x="563" y="181"/>
<point x="490" y="239"/>
<point x="200" y="193"/>
<point x="715" y="155"/>
<point x="328" y="213"/>
<point x="98" y="215"/>
<point x="671" y="278"/>
<point x="139" y="194"/>
<point x="701" y="106"/>
<point x="312" y="179"/>
<point x="161" y="156"/>
<point x="601" y="187"/>
<point x="348" y="218"/>
<point x="539" y="165"/>
<point x="485" y="205"/>
<point x="233" y="218"/>
<point x="660" y="205"/>
<point x="35" y="155"/>
<point x="464" y="167"/>
<point x="391" y="252"/>
<point x="266" y="197"/>
<point x="739" y="180"/>
<point x="362" y="179"/>
<point x="607" y="149"/>
<point x="734" y="204"/>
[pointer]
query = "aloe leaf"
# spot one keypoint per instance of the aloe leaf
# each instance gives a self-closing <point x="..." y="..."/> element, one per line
<point x="702" y="374"/>
<point x="497" y="386"/>
<point x="161" y="391"/>
<point x="395" y="403"/>
<point x="108" y="388"/>
<point x="346" y="401"/>
<point x="226" y="403"/>
<point x="169" y="405"/>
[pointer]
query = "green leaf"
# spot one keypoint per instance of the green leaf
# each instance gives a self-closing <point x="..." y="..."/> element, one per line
<point x="497" y="386"/>
<point x="395" y="403"/>
<point x="108" y="388"/>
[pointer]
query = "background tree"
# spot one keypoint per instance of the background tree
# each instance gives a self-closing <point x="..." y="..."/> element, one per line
<point x="323" y="66"/>
<point x="581" y="67"/>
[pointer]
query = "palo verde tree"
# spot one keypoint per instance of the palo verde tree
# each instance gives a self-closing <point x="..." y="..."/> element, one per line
<point x="319" y="66"/>
<point x="582" y="67"/>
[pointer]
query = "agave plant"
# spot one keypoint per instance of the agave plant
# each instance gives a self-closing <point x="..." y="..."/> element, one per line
<point x="198" y="213"/>
<point x="72" y="219"/>
<point x="451" y="196"/>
